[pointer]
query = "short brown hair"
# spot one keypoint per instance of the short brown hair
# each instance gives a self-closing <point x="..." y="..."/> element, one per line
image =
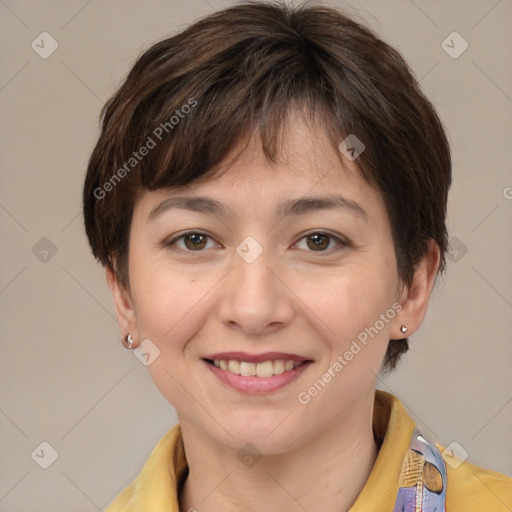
<point x="242" y="69"/>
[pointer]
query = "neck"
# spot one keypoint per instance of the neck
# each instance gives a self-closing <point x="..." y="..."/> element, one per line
<point x="325" y="473"/>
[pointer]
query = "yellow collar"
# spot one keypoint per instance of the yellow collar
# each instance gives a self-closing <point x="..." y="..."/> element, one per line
<point x="156" y="489"/>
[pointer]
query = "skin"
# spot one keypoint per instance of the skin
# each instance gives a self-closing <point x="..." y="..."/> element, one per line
<point x="293" y="298"/>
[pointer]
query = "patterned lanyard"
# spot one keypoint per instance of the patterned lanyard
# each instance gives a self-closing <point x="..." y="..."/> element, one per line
<point x="422" y="479"/>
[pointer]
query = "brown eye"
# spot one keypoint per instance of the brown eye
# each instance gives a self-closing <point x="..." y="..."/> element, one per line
<point x="321" y="242"/>
<point x="191" y="241"/>
<point x="195" y="241"/>
<point x="318" y="241"/>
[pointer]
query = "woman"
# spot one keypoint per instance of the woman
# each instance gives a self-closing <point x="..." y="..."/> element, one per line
<point x="268" y="196"/>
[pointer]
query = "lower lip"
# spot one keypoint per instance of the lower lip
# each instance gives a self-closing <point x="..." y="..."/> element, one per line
<point x="258" y="385"/>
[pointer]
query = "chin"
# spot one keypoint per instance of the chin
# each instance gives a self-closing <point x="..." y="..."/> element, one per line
<point x="259" y="444"/>
<point x="270" y="437"/>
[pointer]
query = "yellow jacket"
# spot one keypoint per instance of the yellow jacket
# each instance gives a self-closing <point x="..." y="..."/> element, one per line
<point x="409" y="474"/>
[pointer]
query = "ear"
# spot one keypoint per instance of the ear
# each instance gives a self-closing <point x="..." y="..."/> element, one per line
<point x="123" y="303"/>
<point x="414" y="299"/>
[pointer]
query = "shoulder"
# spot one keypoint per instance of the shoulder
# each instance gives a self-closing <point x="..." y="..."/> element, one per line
<point x="474" y="488"/>
<point x="430" y="472"/>
<point x="155" y="488"/>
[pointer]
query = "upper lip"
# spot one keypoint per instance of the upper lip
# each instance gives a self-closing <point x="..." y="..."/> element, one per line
<point x="256" y="358"/>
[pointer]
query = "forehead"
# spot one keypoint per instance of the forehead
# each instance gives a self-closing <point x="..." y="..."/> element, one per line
<point x="304" y="152"/>
<point x="307" y="164"/>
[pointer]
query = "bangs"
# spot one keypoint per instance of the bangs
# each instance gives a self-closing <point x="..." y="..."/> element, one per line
<point x="189" y="132"/>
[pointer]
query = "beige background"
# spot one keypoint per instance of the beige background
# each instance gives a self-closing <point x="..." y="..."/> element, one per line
<point x="66" y="380"/>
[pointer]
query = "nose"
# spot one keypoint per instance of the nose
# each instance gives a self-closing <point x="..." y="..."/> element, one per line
<point x="256" y="299"/>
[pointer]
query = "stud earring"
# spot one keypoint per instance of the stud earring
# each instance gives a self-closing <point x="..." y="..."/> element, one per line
<point x="128" y="341"/>
<point x="403" y="329"/>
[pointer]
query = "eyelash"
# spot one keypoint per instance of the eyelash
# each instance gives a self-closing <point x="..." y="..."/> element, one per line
<point x="341" y="242"/>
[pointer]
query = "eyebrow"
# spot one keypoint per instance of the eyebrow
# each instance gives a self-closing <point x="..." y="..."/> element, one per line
<point x="299" y="206"/>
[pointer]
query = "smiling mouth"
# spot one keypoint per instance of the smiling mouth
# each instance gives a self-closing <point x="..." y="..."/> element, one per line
<point x="251" y="369"/>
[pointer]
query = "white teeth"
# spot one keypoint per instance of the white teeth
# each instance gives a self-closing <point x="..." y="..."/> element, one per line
<point x="234" y="366"/>
<point x="278" y="366"/>
<point x="263" y="369"/>
<point x="247" y="369"/>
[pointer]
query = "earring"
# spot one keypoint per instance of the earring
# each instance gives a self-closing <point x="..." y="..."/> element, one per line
<point x="403" y="329"/>
<point x="127" y="341"/>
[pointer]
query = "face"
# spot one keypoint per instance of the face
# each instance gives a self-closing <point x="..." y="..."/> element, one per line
<point x="270" y="275"/>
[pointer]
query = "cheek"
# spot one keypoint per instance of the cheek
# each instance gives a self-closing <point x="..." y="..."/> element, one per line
<point x="172" y="306"/>
<point x="349" y="300"/>
<point x="169" y="304"/>
<point x="355" y="341"/>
